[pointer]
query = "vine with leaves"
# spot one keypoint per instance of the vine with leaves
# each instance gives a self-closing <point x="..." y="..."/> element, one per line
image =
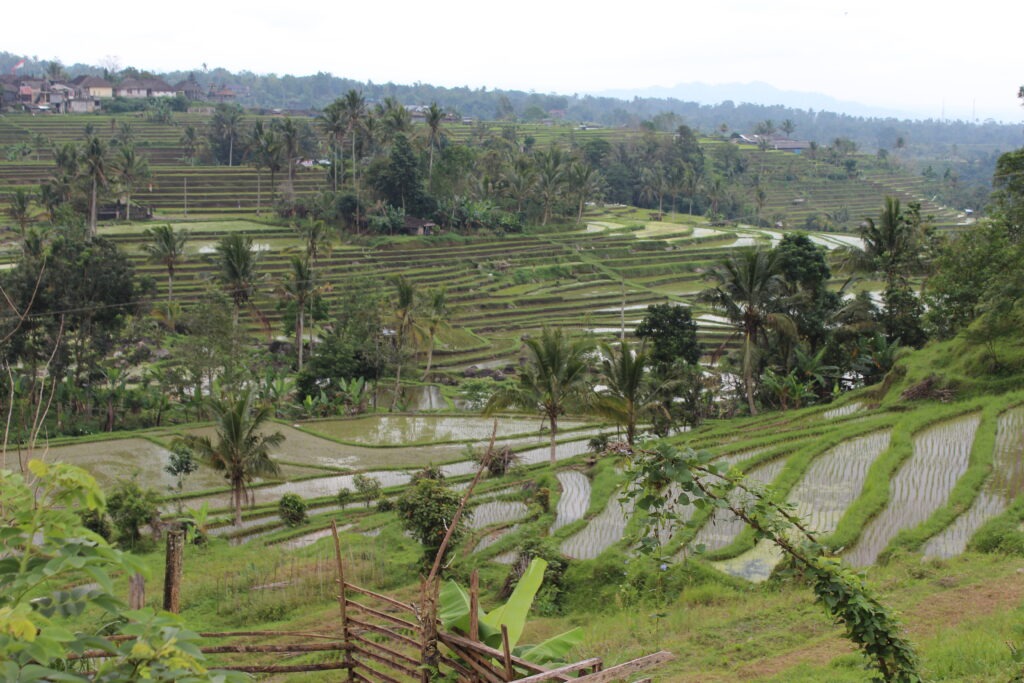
<point x="656" y="477"/>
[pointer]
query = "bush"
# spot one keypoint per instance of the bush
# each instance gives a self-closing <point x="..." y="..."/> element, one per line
<point x="131" y="507"/>
<point x="367" y="487"/>
<point x="426" y="510"/>
<point x="292" y="510"/>
<point x="97" y="522"/>
<point x="385" y="505"/>
<point x="344" y="497"/>
<point x="501" y="460"/>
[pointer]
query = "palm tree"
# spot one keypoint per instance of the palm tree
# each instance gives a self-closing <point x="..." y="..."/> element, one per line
<point x="241" y="450"/>
<point x="584" y="183"/>
<point x="316" y="236"/>
<point x="167" y="247"/>
<point x="553" y="382"/>
<point x="236" y="265"/>
<point x="407" y="326"/>
<point x="629" y="393"/>
<point x="264" y="152"/>
<point x="20" y="208"/>
<point x="891" y="243"/>
<point x="334" y="124"/>
<point x="190" y="142"/>
<point x="435" y="120"/>
<point x="301" y="287"/>
<point x="748" y="291"/>
<point x="550" y="181"/>
<point x="94" y="159"/>
<point x="129" y="170"/>
<point x="438" y="314"/>
<point x="290" y="143"/>
<point x="227" y="125"/>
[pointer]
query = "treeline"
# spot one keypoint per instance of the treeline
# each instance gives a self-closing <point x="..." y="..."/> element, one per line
<point x="316" y="91"/>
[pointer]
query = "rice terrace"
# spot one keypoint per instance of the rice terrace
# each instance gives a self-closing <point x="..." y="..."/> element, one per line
<point x="384" y="392"/>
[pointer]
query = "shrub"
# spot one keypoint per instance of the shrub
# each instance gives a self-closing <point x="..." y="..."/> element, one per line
<point x="385" y="505"/>
<point x="344" y="497"/>
<point x="292" y="510"/>
<point x="426" y="510"/>
<point x="367" y="486"/>
<point x="131" y="507"/>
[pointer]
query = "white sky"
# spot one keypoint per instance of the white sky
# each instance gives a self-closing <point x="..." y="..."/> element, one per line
<point x="961" y="62"/>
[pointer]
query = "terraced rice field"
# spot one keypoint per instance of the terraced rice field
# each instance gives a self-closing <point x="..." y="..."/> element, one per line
<point x="575" y="498"/>
<point x="940" y="455"/>
<point x="832" y="482"/>
<point x="1005" y="483"/>
<point x="601" y="532"/>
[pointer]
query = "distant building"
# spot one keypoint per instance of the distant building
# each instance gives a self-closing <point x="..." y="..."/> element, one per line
<point x="189" y="89"/>
<point x="137" y="88"/>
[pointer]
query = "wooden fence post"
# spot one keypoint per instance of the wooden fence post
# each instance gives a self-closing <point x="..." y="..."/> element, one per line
<point x="136" y="592"/>
<point x="430" y="654"/>
<point x="172" y="571"/>
<point x="342" y="603"/>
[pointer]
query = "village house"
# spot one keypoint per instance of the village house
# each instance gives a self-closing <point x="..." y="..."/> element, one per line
<point x="136" y="88"/>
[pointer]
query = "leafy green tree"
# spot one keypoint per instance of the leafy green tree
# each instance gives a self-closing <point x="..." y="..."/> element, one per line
<point x="748" y="288"/>
<point x="241" y="449"/>
<point x="554" y="381"/>
<point x="427" y="510"/>
<point x="46" y="550"/>
<point x="132" y="507"/>
<point x="167" y="248"/>
<point x="398" y="179"/>
<point x="672" y="332"/>
<point x="292" y="510"/>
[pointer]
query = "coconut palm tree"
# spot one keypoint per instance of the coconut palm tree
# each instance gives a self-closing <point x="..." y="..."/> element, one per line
<point x="226" y="125"/>
<point x="97" y="166"/>
<point x="264" y="152"/>
<point x="316" y="236"/>
<point x="190" y="142"/>
<point x="129" y="169"/>
<point x="19" y="208"/>
<point x="629" y="391"/>
<point x="553" y="382"/>
<point x="437" y="316"/>
<point x="748" y="291"/>
<point x="435" y="134"/>
<point x="236" y="266"/>
<point x="550" y="181"/>
<point x="167" y="248"/>
<point x="584" y="182"/>
<point x="300" y="286"/>
<point x="407" y="328"/>
<point x="241" y="450"/>
<point x="334" y="124"/>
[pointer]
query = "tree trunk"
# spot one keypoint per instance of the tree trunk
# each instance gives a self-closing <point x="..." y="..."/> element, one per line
<point x="93" y="209"/>
<point x="430" y="358"/>
<point x="748" y="373"/>
<point x="554" y="436"/>
<point x="237" y="495"/>
<point x="300" y="336"/>
<point x="170" y="285"/>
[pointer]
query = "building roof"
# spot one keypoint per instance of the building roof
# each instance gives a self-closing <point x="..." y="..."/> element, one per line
<point x="91" y="82"/>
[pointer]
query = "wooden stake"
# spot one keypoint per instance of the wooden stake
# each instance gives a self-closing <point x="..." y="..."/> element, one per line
<point x="172" y="571"/>
<point x="474" y="605"/>
<point x="506" y="650"/>
<point x="136" y="592"/>
<point x="342" y="605"/>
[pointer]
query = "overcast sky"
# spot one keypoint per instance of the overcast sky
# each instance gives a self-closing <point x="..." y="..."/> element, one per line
<point x="912" y="56"/>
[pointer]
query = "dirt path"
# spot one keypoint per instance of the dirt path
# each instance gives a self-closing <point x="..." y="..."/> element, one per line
<point x="935" y="611"/>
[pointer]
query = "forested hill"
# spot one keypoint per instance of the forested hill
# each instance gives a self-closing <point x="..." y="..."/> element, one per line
<point x="316" y="91"/>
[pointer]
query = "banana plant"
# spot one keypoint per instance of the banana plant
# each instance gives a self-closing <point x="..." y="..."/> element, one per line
<point x="454" y="614"/>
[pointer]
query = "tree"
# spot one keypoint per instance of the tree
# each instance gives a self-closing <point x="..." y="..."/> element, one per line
<point x="584" y="183"/>
<point x="673" y="333"/>
<point x="96" y="166"/>
<point x="301" y="288"/>
<point x="426" y="510"/>
<point x="398" y="179"/>
<point x="48" y="605"/>
<point x="435" y="135"/>
<point x="437" y="315"/>
<point x="131" y="507"/>
<point x="225" y="131"/>
<point x="190" y="142"/>
<point x="550" y="181"/>
<point x="748" y="287"/>
<point x="241" y="449"/>
<point x="129" y="170"/>
<point x="236" y="265"/>
<point x="407" y="330"/>
<point x="629" y="393"/>
<point x="167" y="248"/>
<point x="19" y="208"/>
<point x="264" y="152"/>
<point x="553" y="382"/>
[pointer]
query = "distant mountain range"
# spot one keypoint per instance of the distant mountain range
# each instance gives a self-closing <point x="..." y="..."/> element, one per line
<point x="757" y="93"/>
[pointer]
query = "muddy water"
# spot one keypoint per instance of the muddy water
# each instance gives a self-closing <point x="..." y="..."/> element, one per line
<point x="392" y="430"/>
<point x="602" y="532"/>
<point x="922" y="484"/>
<point x="832" y="482"/>
<point x="1003" y="485"/>
<point x="842" y="411"/>
<point x="497" y="512"/>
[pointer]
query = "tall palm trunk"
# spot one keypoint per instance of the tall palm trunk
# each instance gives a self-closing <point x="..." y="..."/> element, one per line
<point x="748" y="371"/>
<point x="300" y="335"/>
<point x="93" y="207"/>
<point x="554" y="436"/>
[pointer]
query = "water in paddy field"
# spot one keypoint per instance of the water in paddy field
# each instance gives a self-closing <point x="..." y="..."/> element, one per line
<point x="842" y="411"/>
<point x="497" y="512"/>
<point x="392" y="430"/>
<point x="724" y="526"/>
<point x="920" y="486"/>
<point x="1004" y="483"/>
<point x="832" y="482"/>
<point x="602" y="532"/>
<point x="575" y="498"/>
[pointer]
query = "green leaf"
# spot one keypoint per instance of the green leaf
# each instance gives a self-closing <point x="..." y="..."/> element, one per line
<point x="514" y="612"/>
<point x="553" y="649"/>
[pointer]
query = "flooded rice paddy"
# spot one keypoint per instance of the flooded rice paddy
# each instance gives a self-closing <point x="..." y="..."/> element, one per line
<point x="920" y="486"/>
<point x="832" y="482"/>
<point x="1004" y="483"/>
<point x="575" y="498"/>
